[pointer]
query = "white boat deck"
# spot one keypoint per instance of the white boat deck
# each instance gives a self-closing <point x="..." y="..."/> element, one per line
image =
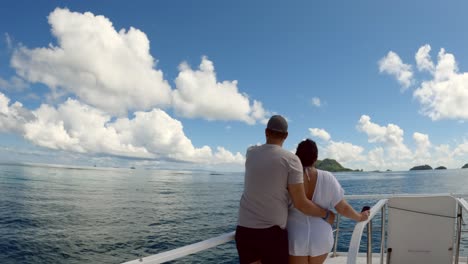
<point x="342" y="257"/>
<point x="407" y="218"/>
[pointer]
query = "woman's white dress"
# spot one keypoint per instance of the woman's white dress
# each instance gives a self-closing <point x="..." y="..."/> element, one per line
<point x="313" y="236"/>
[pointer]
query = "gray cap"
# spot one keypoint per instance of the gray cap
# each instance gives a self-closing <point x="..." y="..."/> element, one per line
<point x="278" y="123"/>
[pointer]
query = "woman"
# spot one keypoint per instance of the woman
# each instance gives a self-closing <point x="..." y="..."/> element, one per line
<point x="311" y="238"/>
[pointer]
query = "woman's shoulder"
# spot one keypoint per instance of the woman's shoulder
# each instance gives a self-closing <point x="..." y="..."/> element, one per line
<point x="327" y="177"/>
<point x="325" y="174"/>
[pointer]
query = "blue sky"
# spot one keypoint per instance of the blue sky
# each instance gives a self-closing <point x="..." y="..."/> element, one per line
<point x="378" y="85"/>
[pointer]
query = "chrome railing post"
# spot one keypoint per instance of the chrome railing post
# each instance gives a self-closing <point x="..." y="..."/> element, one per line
<point x="382" y="234"/>
<point x="369" y="242"/>
<point x="459" y="229"/>
<point x="336" y="234"/>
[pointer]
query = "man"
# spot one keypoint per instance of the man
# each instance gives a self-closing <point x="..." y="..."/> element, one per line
<point x="272" y="175"/>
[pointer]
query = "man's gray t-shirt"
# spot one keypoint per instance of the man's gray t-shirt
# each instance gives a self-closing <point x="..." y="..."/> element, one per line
<point x="268" y="171"/>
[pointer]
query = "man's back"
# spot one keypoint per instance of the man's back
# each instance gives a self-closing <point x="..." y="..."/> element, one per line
<point x="268" y="171"/>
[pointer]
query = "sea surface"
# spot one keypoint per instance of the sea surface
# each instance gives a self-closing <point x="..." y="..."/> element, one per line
<point x="96" y="215"/>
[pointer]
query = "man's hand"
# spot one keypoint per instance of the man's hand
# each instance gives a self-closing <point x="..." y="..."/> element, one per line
<point x="331" y="217"/>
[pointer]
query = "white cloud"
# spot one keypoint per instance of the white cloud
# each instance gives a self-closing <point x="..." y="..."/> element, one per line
<point x="446" y="95"/>
<point x="15" y="84"/>
<point x="391" y="136"/>
<point x="12" y="116"/>
<point x="393" y="65"/>
<point x="423" y="59"/>
<point x="109" y="69"/>
<point x="316" y="102"/>
<point x="376" y="158"/>
<point x="344" y="152"/>
<point x="115" y="72"/>
<point x="422" y="144"/>
<point x="389" y="150"/>
<point x="224" y="156"/>
<point x="461" y="149"/>
<point x="320" y="133"/>
<point x="199" y="94"/>
<point x="77" y="127"/>
<point x="444" y="156"/>
<point x="8" y="41"/>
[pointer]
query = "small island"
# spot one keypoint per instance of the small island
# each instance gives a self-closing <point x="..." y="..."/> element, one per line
<point x="465" y="166"/>
<point x="421" y="167"/>
<point x="441" y="168"/>
<point x="330" y="165"/>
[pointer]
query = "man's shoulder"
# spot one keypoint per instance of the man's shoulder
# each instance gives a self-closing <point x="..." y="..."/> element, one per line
<point x="254" y="147"/>
<point x="272" y="151"/>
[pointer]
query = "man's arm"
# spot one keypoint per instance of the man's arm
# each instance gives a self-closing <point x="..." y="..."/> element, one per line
<point x="300" y="201"/>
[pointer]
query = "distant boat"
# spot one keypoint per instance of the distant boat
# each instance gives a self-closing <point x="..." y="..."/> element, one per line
<point x="132" y="168"/>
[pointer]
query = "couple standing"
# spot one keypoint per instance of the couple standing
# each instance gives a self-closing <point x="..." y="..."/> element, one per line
<point x="270" y="230"/>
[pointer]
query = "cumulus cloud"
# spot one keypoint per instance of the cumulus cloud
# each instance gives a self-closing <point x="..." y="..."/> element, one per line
<point x="446" y="95"/>
<point x="376" y="158"/>
<point x="13" y="116"/>
<point x="391" y="136"/>
<point x="316" y="102"/>
<point x="393" y="65"/>
<point x="461" y="149"/>
<point x="15" y="84"/>
<point x="344" y="152"/>
<point x="422" y="144"/>
<point x="77" y="127"/>
<point x="199" y="94"/>
<point x="114" y="71"/>
<point x="423" y="59"/>
<point x="320" y="133"/>
<point x="109" y="69"/>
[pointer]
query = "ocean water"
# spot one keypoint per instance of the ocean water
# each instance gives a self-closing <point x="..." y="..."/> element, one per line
<point x="93" y="215"/>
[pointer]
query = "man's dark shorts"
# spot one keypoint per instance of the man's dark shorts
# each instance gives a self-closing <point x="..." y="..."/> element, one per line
<point x="269" y="245"/>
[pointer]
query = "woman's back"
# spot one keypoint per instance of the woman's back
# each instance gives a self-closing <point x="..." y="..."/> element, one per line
<point x="312" y="236"/>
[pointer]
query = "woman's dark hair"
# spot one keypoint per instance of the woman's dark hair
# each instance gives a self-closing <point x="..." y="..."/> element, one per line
<point x="307" y="152"/>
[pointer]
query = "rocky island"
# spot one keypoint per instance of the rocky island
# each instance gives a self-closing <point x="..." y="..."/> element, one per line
<point x="441" y="168"/>
<point x="465" y="166"/>
<point x="421" y="167"/>
<point x="330" y="165"/>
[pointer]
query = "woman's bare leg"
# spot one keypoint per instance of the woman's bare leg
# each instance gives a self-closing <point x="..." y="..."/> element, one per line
<point x="298" y="259"/>
<point x="318" y="259"/>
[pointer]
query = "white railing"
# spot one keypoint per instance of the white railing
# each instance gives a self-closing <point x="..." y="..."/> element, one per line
<point x="381" y="205"/>
<point x="225" y="238"/>
<point x="462" y="205"/>
<point x="184" y="251"/>
<point x="359" y="229"/>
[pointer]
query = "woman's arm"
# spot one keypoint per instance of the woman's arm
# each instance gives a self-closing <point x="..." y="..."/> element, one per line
<point x="345" y="209"/>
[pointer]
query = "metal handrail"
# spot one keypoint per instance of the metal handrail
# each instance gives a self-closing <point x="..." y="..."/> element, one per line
<point x="391" y="195"/>
<point x="184" y="251"/>
<point x="357" y="234"/>
<point x="462" y="205"/>
<point x="225" y="238"/>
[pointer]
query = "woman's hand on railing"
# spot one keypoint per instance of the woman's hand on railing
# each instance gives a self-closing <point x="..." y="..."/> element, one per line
<point x="364" y="216"/>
